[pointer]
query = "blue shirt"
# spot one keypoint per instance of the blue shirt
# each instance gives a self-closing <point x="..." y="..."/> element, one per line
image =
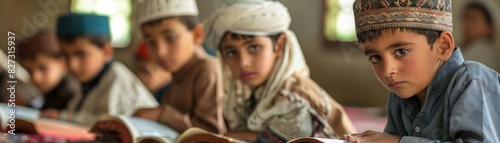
<point x="462" y="105"/>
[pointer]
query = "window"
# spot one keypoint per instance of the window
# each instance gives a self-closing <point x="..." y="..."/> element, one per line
<point x="119" y="12"/>
<point x="339" y="21"/>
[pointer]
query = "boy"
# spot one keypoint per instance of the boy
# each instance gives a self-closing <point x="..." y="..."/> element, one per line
<point x="43" y="59"/>
<point x="108" y="87"/>
<point x="435" y="95"/>
<point x="174" y="36"/>
<point x="25" y="94"/>
<point x="479" y="33"/>
<point x="263" y="55"/>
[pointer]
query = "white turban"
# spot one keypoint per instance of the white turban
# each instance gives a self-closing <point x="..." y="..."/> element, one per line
<point x="255" y="17"/>
<point x="258" y="18"/>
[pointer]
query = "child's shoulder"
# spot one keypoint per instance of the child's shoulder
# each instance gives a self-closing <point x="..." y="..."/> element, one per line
<point x="120" y="80"/>
<point x="119" y="68"/>
<point x="304" y="87"/>
<point x="207" y="64"/>
<point x="118" y="73"/>
<point x="476" y="73"/>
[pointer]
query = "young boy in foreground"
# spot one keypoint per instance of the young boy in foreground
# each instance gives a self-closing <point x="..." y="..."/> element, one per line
<point x="436" y="96"/>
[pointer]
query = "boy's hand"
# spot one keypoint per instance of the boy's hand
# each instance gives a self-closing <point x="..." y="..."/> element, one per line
<point x="372" y="137"/>
<point x="149" y="113"/>
<point x="50" y="113"/>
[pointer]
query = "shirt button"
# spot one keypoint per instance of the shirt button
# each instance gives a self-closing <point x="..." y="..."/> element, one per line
<point x="417" y="129"/>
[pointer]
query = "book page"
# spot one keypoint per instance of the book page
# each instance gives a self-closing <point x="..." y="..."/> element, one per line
<point x="20" y="112"/>
<point x="332" y="140"/>
<point x="147" y="128"/>
<point x="316" y="140"/>
<point x="61" y="129"/>
<point x="203" y="135"/>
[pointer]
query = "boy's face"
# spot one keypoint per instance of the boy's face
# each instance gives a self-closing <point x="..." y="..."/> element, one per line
<point x="250" y="59"/>
<point x="475" y="24"/>
<point x="85" y="60"/>
<point x="403" y="61"/>
<point x="171" y="43"/>
<point x="46" y="72"/>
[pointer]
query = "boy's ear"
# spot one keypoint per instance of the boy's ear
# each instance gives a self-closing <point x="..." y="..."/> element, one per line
<point x="445" y="45"/>
<point x="491" y="30"/>
<point x="280" y="45"/>
<point x="198" y="34"/>
<point x="108" y="51"/>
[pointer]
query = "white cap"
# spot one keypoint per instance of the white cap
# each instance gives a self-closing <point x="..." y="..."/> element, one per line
<point x="150" y="10"/>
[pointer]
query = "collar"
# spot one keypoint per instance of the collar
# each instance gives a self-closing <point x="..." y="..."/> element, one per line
<point x="190" y="65"/>
<point x="87" y="86"/>
<point x="443" y="76"/>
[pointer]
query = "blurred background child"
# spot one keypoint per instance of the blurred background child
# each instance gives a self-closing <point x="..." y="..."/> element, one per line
<point x="43" y="59"/>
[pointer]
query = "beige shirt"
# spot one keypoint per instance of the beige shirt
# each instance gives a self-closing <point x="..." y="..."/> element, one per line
<point x="118" y="92"/>
<point x="194" y="98"/>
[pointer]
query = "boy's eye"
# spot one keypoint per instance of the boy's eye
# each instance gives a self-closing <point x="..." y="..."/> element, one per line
<point x="43" y="67"/>
<point x="254" y="48"/>
<point x="170" y="38"/>
<point x="80" y="54"/>
<point x="401" y="52"/>
<point x="374" y="59"/>
<point x="151" y="44"/>
<point x="230" y="54"/>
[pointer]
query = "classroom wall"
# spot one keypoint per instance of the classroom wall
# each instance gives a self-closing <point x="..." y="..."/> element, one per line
<point x="343" y="71"/>
<point x="24" y="17"/>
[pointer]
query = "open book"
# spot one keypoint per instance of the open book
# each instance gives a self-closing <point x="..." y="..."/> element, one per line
<point x="17" y="119"/>
<point x="133" y="129"/>
<point x="197" y="135"/>
<point x="316" y="140"/>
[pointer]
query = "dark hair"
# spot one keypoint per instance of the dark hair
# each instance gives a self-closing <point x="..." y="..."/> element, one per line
<point x="43" y="42"/>
<point x="482" y="8"/>
<point x="234" y="36"/>
<point x="99" y="41"/>
<point x="370" y="35"/>
<point x="189" y="21"/>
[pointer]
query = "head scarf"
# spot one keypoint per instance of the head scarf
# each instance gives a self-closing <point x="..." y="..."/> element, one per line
<point x="253" y="17"/>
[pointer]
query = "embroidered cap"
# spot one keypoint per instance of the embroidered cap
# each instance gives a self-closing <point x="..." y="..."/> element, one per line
<point x="419" y="14"/>
<point x="150" y="10"/>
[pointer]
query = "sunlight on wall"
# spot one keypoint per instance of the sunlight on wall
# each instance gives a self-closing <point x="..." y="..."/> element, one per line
<point x="119" y="12"/>
<point x="339" y="21"/>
